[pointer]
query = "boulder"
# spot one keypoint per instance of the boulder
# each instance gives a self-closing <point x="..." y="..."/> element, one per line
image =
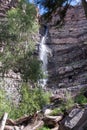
<point x="56" y="97"/>
<point x="75" y="120"/>
<point x="47" y="112"/>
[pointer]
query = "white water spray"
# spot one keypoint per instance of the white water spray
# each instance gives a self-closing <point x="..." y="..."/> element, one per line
<point x="43" y="55"/>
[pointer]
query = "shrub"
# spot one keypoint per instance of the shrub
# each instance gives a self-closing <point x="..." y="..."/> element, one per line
<point x="5" y="104"/>
<point x="57" y="111"/>
<point x="31" y="101"/>
<point x="69" y="101"/>
<point x="81" y="99"/>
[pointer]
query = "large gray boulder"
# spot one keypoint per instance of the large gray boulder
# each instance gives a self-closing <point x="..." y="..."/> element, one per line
<point x="76" y="120"/>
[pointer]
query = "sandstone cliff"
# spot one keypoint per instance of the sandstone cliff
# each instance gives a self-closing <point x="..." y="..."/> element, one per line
<point x="68" y="65"/>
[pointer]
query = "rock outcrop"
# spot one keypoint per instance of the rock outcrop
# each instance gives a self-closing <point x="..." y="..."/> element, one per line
<point x="68" y="65"/>
<point x="75" y="120"/>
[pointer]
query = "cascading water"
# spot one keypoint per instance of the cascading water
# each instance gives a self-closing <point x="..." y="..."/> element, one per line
<point x="43" y="56"/>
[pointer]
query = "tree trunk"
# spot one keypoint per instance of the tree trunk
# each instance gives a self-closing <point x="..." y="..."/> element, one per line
<point x="2" y="125"/>
<point x="84" y="3"/>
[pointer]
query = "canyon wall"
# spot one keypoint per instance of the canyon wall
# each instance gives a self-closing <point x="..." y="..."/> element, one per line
<point x="67" y="66"/>
<point x="11" y="82"/>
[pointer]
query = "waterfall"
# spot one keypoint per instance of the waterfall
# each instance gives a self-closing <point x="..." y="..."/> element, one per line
<point x="43" y="56"/>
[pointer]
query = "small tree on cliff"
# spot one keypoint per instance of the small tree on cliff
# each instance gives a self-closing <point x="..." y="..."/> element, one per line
<point x="18" y="37"/>
<point x="84" y="3"/>
<point x="60" y="5"/>
<point x="54" y="4"/>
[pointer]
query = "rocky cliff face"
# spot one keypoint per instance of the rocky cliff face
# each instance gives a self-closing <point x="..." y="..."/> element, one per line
<point x="67" y="67"/>
<point x="11" y="82"/>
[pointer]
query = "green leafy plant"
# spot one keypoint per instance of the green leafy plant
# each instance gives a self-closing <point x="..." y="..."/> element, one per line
<point x="19" y="34"/>
<point x="5" y="104"/>
<point x="31" y="101"/>
<point x="81" y="99"/>
<point x="69" y="101"/>
<point x="57" y="111"/>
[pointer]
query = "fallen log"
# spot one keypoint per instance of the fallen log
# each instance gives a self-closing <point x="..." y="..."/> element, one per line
<point x="26" y="120"/>
<point x="3" y="122"/>
<point x="10" y="122"/>
<point x="7" y="127"/>
<point x="36" y="126"/>
<point x="52" y="121"/>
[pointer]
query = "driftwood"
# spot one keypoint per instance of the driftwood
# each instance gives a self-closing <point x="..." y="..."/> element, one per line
<point x="25" y="120"/>
<point x="3" y="122"/>
<point x="32" y="122"/>
<point x="52" y="120"/>
<point x="36" y="126"/>
<point x="10" y="122"/>
<point x="8" y="127"/>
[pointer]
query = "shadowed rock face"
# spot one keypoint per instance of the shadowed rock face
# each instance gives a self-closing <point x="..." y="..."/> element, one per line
<point x="68" y="65"/>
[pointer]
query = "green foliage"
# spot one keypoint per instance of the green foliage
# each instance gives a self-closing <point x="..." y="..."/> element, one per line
<point x="57" y="111"/>
<point x="66" y="104"/>
<point x="81" y="99"/>
<point x="69" y="101"/>
<point x="28" y="66"/>
<point x="22" y="17"/>
<point x="44" y="128"/>
<point x="59" y="6"/>
<point x="19" y="37"/>
<point x="5" y="105"/>
<point x="32" y="100"/>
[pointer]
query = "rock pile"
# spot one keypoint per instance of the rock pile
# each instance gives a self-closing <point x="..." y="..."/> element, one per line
<point x="74" y="119"/>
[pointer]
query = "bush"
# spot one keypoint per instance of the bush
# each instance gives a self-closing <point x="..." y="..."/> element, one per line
<point x="81" y="99"/>
<point x="57" y="111"/>
<point x="69" y="101"/>
<point x="32" y="100"/>
<point x="5" y="105"/>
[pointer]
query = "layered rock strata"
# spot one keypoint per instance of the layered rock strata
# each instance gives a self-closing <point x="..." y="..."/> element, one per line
<point x="68" y="65"/>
